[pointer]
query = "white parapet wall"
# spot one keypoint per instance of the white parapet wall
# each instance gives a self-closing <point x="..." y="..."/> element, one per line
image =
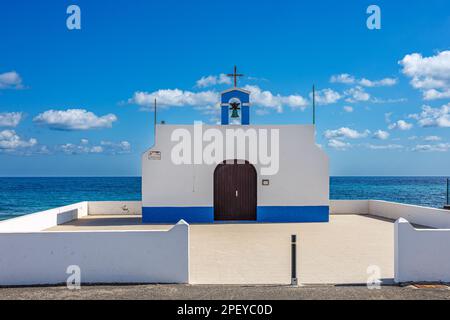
<point x="115" y="207"/>
<point x="349" y="206"/>
<point x="32" y="258"/>
<point x="45" y="219"/>
<point x="421" y="255"/>
<point x="425" y="216"/>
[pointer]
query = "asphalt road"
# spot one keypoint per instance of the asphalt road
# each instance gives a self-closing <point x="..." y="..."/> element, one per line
<point x="205" y="292"/>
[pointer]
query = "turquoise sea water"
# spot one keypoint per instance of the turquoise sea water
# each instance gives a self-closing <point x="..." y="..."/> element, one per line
<point x="20" y="196"/>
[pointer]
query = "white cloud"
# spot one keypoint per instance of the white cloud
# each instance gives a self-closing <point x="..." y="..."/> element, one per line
<point x="440" y="147"/>
<point x="343" y="78"/>
<point x="386" y="82"/>
<point x="213" y="111"/>
<point x="349" y="79"/>
<point x="10" y="80"/>
<point x="387" y="117"/>
<point x="433" y="117"/>
<point x="70" y="148"/>
<point x="10" y="119"/>
<point x="390" y="100"/>
<point x="268" y="100"/>
<point x="345" y="132"/>
<point x="74" y="119"/>
<point x="356" y="94"/>
<point x="326" y="96"/>
<point x="262" y="112"/>
<point x="105" y="147"/>
<point x="208" y="101"/>
<point x="385" y="146"/>
<point x="431" y="75"/>
<point x="213" y="80"/>
<point x="401" y="125"/>
<point x="348" y="109"/>
<point x="381" y="135"/>
<point x="116" y="147"/>
<point x="434" y="94"/>
<point x="174" y="98"/>
<point x="338" y="144"/>
<point x="10" y="141"/>
<point x="432" y="138"/>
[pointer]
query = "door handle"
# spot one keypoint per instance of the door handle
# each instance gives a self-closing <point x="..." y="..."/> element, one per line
<point x="237" y="193"/>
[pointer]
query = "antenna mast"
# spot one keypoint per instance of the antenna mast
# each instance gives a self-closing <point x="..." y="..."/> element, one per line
<point x="154" y="122"/>
<point x="314" y="103"/>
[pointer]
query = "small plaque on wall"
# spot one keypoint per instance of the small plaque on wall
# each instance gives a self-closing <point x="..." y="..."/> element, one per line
<point x="265" y="182"/>
<point x="154" y="155"/>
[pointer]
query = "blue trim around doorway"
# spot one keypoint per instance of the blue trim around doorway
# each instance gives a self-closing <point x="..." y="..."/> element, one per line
<point x="264" y="214"/>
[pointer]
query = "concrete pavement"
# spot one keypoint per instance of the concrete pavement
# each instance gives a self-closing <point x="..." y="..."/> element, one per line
<point x="338" y="252"/>
<point x="209" y="292"/>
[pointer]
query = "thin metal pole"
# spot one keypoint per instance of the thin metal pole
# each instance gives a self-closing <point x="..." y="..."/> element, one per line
<point x="154" y="122"/>
<point x="294" y="280"/>
<point x="314" y="104"/>
<point x="448" y="190"/>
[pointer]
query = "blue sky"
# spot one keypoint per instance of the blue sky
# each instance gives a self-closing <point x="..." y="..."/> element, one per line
<point x="72" y="102"/>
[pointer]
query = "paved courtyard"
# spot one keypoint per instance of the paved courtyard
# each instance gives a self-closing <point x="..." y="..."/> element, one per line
<point x="208" y="292"/>
<point x="338" y="252"/>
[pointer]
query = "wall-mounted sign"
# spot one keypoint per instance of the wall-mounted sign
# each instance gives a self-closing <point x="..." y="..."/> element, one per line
<point x="265" y="182"/>
<point x="154" y="155"/>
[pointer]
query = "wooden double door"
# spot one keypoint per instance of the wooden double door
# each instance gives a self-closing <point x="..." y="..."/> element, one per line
<point x="235" y="191"/>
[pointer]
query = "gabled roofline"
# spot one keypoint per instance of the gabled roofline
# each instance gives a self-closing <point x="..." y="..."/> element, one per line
<point x="235" y="89"/>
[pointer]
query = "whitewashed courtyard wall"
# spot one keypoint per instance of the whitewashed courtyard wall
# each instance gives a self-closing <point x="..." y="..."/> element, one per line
<point x="419" y="215"/>
<point x="45" y="219"/>
<point x="97" y="208"/>
<point x="421" y="255"/>
<point x="349" y="206"/>
<point x="430" y="217"/>
<point x="28" y="258"/>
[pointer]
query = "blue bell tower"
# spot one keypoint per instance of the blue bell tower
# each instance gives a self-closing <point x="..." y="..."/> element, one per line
<point x="235" y="103"/>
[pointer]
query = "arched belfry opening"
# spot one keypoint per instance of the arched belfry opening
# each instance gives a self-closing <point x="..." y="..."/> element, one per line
<point x="235" y="191"/>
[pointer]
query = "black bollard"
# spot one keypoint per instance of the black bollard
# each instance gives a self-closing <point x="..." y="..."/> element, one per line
<point x="294" y="280"/>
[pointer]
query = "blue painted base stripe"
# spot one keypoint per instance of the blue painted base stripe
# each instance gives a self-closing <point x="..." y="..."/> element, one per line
<point x="264" y="214"/>
<point x="293" y="214"/>
<point x="175" y="214"/>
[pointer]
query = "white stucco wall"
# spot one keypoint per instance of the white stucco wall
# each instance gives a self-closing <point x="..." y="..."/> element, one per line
<point x="426" y="216"/>
<point x="103" y="256"/>
<point x="45" y="219"/>
<point x="421" y="255"/>
<point x="114" y="207"/>
<point x="349" y="206"/>
<point x="302" y="179"/>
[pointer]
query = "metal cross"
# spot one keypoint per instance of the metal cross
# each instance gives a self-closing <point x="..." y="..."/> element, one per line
<point x="235" y="75"/>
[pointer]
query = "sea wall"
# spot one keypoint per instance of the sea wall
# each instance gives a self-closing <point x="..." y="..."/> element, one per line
<point x="101" y="256"/>
<point x="421" y="255"/>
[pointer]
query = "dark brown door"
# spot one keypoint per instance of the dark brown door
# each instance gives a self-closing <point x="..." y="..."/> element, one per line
<point x="235" y="191"/>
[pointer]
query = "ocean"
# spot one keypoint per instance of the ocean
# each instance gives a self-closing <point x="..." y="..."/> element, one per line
<point x="20" y="196"/>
